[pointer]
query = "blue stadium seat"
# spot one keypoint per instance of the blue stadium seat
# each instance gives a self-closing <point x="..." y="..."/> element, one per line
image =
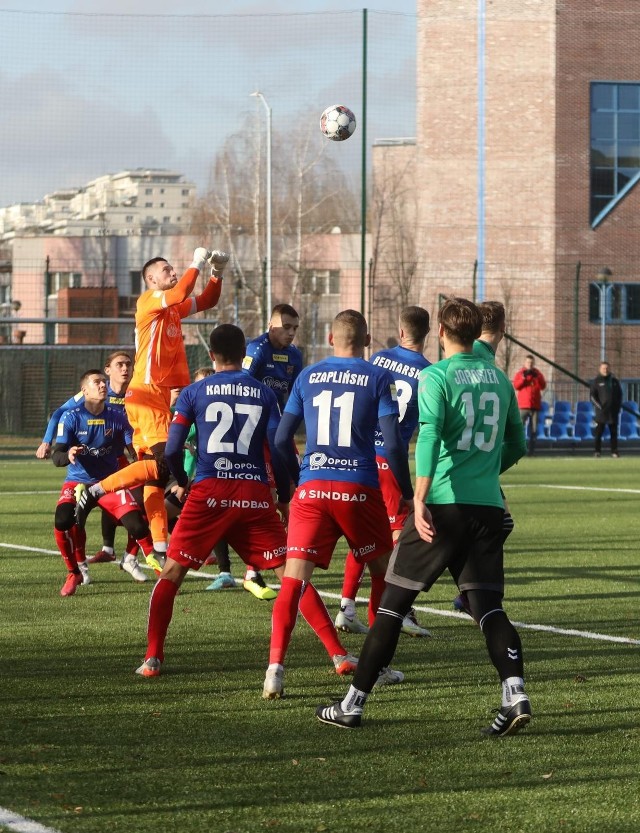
<point x="585" y="417"/>
<point x="583" y="431"/>
<point x="561" y="406"/>
<point x="629" y="429"/>
<point x="633" y="406"/>
<point x="584" y="406"/>
<point x="561" y="417"/>
<point x="559" y="430"/>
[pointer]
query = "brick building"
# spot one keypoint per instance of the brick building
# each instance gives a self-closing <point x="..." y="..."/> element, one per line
<point x="526" y="159"/>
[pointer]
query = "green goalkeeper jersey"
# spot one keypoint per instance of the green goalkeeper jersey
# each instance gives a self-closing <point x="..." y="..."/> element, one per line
<point x="483" y="350"/>
<point x="470" y="430"/>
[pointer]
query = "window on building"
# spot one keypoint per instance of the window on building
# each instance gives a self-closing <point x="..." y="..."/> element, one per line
<point x="615" y="141"/>
<point x="185" y="192"/>
<point x="320" y="281"/>
<point x="65" y="280"/>
<point x="623" y="303"/>
<point x="148" y="191"/>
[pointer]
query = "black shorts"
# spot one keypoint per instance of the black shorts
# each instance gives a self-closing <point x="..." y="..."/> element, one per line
<point x="468" y="543"/>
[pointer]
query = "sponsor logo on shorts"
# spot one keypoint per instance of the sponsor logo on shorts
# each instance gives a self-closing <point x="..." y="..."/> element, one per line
<point x="308" y="550"/>
<point x="331" y="494"/>
<point x="190" y="557"/>
<point x="237" y="475"/>
<point x="364" y="550"/>
<point x="277" y="553"/>
<point x="245" y="504"/>
<point x="318" y="460"/>
<point x="211" y="502"/>
<point x="383" y="466"/>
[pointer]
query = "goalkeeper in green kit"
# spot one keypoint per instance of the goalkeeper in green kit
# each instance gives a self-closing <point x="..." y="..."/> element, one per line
<point x="470" y="432"/>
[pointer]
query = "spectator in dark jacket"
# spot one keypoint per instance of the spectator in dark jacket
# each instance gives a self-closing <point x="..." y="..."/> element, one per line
<point x="606" y="395"/>
<point x="529" y="384"/>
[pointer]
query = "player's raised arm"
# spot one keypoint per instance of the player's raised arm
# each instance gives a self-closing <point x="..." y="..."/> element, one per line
<point x="209" y="297"/>
<point x="185" y="286"/>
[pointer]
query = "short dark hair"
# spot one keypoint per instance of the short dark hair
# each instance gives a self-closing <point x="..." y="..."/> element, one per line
<point x="350" y="327"/>
<point x="415" y="320"/>
<point x="151" y="263"/>
<point x="284" y="309"/>
<point x="94" y="372"/>
<point x="461" y="320"/>
<point x="204" y="371"/>
<point x="228" y="343"/>
<point x="493" y="316"/>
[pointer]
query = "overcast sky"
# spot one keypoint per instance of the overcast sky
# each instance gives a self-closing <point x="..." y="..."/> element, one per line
<point x="89" y="87"/>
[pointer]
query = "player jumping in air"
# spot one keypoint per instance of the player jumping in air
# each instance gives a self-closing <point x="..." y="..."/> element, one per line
<point x="160" y="368"/>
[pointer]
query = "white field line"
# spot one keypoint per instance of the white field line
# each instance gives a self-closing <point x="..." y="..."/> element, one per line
<point x="568" y="488"/>
<point x="12" y="821"/>
<point x="433" y="611"/>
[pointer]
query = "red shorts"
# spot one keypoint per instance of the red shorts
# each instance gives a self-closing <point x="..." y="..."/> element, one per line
<point x="116" y="504"/>
<point x="322" y="511"/>
<point x="397" y="511"/>
<point x="240" y="512"/>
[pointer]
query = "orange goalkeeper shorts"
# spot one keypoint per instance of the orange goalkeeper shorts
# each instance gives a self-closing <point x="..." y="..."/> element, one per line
<point x="149" y="414"/>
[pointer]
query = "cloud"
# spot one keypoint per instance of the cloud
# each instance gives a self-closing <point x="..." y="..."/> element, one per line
<point x="51" y="137"/>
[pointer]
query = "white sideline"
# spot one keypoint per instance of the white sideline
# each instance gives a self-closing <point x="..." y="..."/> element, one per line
<point x="434" y="611"/>
<point x="13" y="821"/>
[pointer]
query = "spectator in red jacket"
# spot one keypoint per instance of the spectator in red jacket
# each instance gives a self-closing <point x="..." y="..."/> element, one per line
<point x="529" y="384"/>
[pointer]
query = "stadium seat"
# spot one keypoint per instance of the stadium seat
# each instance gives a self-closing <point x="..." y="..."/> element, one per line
<point x="561" y="406"/>
<point x="584" y="406"/>
<point x="583" y="431"/>
<point x="585" y="417"/>
<point x="632" y="406"/>
<point x="560" y="430"/>
<point x="561" y="417"/>
<point x="628" y="429"/>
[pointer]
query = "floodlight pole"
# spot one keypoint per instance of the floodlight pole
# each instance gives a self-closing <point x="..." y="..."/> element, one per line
<point x="267" y="108"/>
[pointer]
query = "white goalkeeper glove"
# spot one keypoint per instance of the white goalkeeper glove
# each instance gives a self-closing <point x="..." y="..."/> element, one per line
<point x="200" y="257"/>
<point x="218" y="261"/>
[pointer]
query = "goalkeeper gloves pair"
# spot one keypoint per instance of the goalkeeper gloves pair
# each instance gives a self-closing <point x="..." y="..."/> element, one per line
<point x="217" y="259"/>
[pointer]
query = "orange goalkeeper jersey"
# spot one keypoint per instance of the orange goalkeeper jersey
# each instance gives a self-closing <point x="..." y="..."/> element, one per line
<point x="160" y="355"/>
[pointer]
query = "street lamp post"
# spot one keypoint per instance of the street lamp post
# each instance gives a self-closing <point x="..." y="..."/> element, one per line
<point x="604" y="288"/>
<point x="267" y="108"/>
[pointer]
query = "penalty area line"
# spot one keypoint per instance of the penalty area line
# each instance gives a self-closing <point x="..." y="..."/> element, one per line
<point x="20" y="824"/>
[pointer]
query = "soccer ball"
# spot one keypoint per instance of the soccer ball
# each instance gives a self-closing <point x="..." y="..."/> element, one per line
<point x="337" y="122"/>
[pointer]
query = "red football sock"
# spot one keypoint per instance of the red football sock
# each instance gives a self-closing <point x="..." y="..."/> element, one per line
<point x="160" y="613"/>
<point x="79" y="538"/>
<point x="132" y="545"/>
<point x="377" y="589"/>
<point x="146" y="545"/>
<point x="64" y="540"/>
<point x="283" y="618"/>
<point x="353" y="571"/>
<point x="314" y="611"/>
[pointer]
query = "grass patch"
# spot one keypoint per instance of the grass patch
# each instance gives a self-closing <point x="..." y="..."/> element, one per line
<point x="87" y="746"/>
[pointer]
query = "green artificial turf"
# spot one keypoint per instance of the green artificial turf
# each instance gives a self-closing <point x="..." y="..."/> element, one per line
<point x="85" y="745"/>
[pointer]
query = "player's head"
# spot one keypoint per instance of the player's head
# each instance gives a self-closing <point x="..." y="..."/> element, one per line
<point x="157" y="273"/>
<point x="414" y="324"/>
<point x="529" y="362"/>
<point x="202" y="373"/>
<point x="460" y="321"/>
<point x="227" y="345"/>
<point x="283" y="325"/>
<point x="118" y="367"/>
<point x="349" y="331"/>
<point x="605" y="370"/>
<point x="93" y="384"/>
<point x="493" y="317"/>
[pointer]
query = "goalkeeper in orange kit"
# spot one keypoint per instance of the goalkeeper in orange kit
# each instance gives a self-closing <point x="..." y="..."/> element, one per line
<point x="160" y="368"/>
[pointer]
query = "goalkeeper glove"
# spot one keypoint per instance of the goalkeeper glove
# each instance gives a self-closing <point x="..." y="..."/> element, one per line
<point x="200" y="257"/>
<point x="218" y="261"/>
